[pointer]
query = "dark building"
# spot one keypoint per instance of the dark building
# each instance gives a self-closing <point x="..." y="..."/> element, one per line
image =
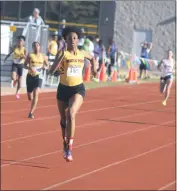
<point x="78" y="12"/>
<point x="127" y="22"/>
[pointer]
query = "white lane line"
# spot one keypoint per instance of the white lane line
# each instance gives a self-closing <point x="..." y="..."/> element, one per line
<point x="168" y="185"/>
<point x="46" y="98"/>
<point x="79" y="126"/>
<point x="53" y="97"/>
<point x="107" y="166"/>
<point x="86" y="111"/>
<point x="46" y="106"/>
<point x="55" y="105"/>
<point x="86" y="144"/>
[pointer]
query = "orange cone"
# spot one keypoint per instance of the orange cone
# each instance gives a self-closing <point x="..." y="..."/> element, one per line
<point x="132" y="77"/>
<point x="103" y="73"/>
<point x="87" y="74"/>
<point x="114" y="76"/>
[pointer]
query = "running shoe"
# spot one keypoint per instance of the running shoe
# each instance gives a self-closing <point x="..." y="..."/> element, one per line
<point x="164" y="103"/>
<point x="31" y="116"/>
<point x="17" y="96"/>
<point x="69" y="157"/>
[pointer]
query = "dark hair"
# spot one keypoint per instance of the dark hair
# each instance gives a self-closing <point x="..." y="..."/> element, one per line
<point x="68" y="30"/>
<point x="100" y="42"/>
<point x="97" y="36"/>
<point x="90" y="38"/>
<point x="59" y="37"/>
<point x="34" y="43"/>
<point x="21" y="37"/>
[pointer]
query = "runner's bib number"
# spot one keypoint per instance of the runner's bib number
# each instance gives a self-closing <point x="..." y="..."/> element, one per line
<point x="74" y="71"/>
<point x="18" y="61"/>
<point x="51" y="57"/>
<point x="39" y="72"/>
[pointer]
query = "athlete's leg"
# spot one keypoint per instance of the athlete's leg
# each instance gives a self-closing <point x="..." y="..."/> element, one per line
<point x="34" y="102"/>
<point x="62" y="107"/>
<point x="29" y="87"/>
<point x="167" y="91"/>
<point x="74" y="105"/>
<point x="162" y="86"/>
<point x="18" y="86"/>
<point x="19" y="80"/>
<point x="29" y="95"/>
<point x="145" y="73"/>
<point x="14" y="76"/>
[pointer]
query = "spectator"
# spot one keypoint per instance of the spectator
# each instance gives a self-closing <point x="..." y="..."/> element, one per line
<point x="36" y="18"/>
<point x="113" y="54"/>
<point x="53" y="48"/>
<point x="96" y="48"/>
<point x="86" y="45"/>
<point x="145" y="51"/>
<point x="101" y="54"/>
<point x="81" y="40"/>
<point x="91" y="45"/>
<point x="61" y="43"/>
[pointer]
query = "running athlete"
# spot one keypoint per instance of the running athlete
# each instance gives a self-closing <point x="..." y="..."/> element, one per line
<point x="52" y="51"/>
<point x="35" y="62"/>
<point x="166" y="67"/>
<point x="53" y="48"/>
<point x="19" y="55"/>
<point x="71" y="90"/>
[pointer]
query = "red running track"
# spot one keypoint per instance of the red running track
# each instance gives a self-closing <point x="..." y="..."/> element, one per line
<point x="125" y="139"/>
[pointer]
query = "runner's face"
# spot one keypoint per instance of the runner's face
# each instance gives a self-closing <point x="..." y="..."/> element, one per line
<point x="35" y="14"/>
<point x="170" y="54"/>
<point x="36" y="47"/>
<point x="72" y="40"/>
<point x="55" y="38"/>
<point x="97" y="40"/>
<point x="21" y="42"/>
<point x="145" y="45"/>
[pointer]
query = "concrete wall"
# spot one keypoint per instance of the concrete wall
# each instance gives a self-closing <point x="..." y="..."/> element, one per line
<point x="106" y="20"/>
<point x="158" y="16"/>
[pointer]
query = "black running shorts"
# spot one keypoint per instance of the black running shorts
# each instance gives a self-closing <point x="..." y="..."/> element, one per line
<point x="166" y="78"/>
<point x="32" y="83"/>
<point x="64" y="93"/>
<point x="18" y="68"/>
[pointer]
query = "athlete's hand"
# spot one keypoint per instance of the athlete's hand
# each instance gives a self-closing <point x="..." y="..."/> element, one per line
<point x="33" y="70"/>
<point x="22" y="57"/>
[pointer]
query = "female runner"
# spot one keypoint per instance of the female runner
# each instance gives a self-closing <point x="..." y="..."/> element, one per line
<point x="19" y="55"/>
<point x="35" y="62"/>
<point x="71" y="90"/>
<point x="166" y="66"/>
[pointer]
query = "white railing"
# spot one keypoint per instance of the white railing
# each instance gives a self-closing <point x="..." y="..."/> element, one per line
<point x="31" y="31"/>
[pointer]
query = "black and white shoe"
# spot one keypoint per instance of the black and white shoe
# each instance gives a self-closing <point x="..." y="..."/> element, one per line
<point x="31" y="116"/>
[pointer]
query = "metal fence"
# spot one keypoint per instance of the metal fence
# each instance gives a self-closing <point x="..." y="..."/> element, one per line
<point x="32" y="32"/>
<point x="10" y="31"/>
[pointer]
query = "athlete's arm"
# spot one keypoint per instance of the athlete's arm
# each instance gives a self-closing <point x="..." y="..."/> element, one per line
<point x="92" y="61"/>
<point x="159" y="65"/>
<point x="174" y="66"/>
<point x="24" y="56"/>
<point x="58" y="59"/>
<point x="46" y="64"/>
<point x="27" y="61"/>
<point x="9" y="54"/>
